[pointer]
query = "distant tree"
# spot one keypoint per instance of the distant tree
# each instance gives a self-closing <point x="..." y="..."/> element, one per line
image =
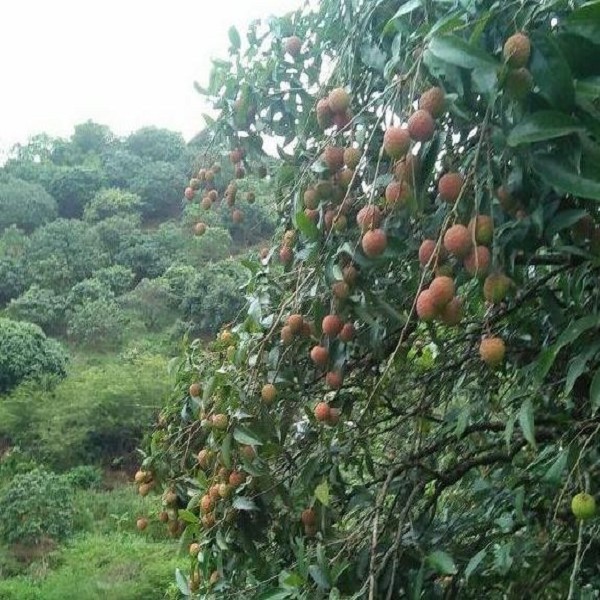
<point x="74" y="187"/>
<point x="160" y="185"/>
<point x="13" y="272"/>
<point x="40" y="306"/>
<point x="155" y="144"/>
<point x="111" y="202"/>
<point x="26" y="353"/>
<point x="98" y="324"/>
<point x="117" y="235"/>
<point x="88" y="290"/>
<point x="116" y="278"/>
<point x="90" y="137"/>
<point x="152" y="302"/>
<point x="120" y="166"/>
<point x="26" y="205"/>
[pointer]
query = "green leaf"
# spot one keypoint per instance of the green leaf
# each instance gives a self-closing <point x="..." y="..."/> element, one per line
<point x="456" y="51"/>
<point x="187" y="516"/>
<point x="319" y="577"/>
<point x="565" y="178"/>
<point x="576" y="369"/>
<point x="563" y="220"/>
<point x="442" y="562"/>
<point x="182" y="582"/>
<point x="474" y="563"/>
<point x="234" y="38"/>
<point x="243" y="435"/>
<point x="554" y="473"/>
<point x="585" y="22"/>
<point x="551" y="72"/>
<point x="595" y="391"/>
<point x="322" y="493"/>
<point x="543" y="125"/>
<point x="226" y="450"/>
<point x="526" y="422"/>
<point x="307" y="227"/>
<point x="243" y="503"/>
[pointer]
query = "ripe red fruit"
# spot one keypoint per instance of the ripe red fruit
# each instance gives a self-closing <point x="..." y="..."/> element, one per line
<point x="199" y="229"/>
<point x="482" y="228"/>
<point x="477" y="262"/>
<point x="407" y="169"/>
<point x="351" y="157"/>
<point x="293" y="45"/>
<point x="374" y="242"/>
<point x="368" y="217"/>
<point x="322" y="412"/>
<point x="334" y="416"/>
<point x="492" y="351"/>
<point x="213" y="492"/>
<point x="332" y="325"/>
<point x="213" y="195"/>
<point x="339" y="100"/>
<point x="286" y="255"/>
<point x="396" y="142"/>
<point x="345" y="178"/>
<point x="248" y="452"/>
<point x="426" y="309"/>
<point x="324" y="113"/>
<point x="421" y="126"/>
<point x="347" y="333"/>
<point x="235" y="156"/>
<point x="452" y="313"/>
<point x="397" y="192"/>
<point x="237" y="478"/>
<point x="195" y="390"/>
<point x="204" y="457"/>
<point x="342" y="119"/>
<point x="457" y="240"/>
<point x="432" y="100"/>
<point x="517" y="49"/>
<point x="268" y="393"/>
<point x="189" y="193"/>
<point x="334" y="380"/>
<point x="206" y="503"/>
<point x="328" y="218"/>
<point x="495" y="287"/>
<point x="333" y="157"/>
<point x="163" y="516"/>
<point x="319" y="355"/>
<point x="449" y="187"/>
<point x="295" y="323"/>
<point x="441" y="291"/>
<point x="427" y="249"/>
<point x="507" y="202"/>
<point x="350" y="274"/>
<point x="287" y="337"/>
<point x="308" y="517"/>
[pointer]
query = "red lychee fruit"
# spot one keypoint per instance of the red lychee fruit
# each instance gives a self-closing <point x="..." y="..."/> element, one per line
<point x="332" y="325"/>
<point x="421" y="126"/>
<point x="204" y="457"/>
<point x="482" y="228"/>
<point x="477" y="262"/>
<point x="237" y="478"/>
<point x="496" y="287"/>
<point x="341" y="290"/>
<point x="189" y="193"/>
<point x="311" y="200"/>
<point x="368" y="217"/>
<point x="492" y="351"/>
<point x="345" y="178"/>
<point x="286" y="255"/>
<point x="517" y="49"/>
<point x="452" y="313"/>
<point x="407" y="169"/>
<point x="350" y="274"/>
<point x="206" y="503"/>
<point x="199" y="228"/>
<point x="457" y="240"/>
<point x="334" y="380"/>
<point x="374" y="242"/>
<point x="426" y="309"/>
<point x="308" y="517"/>
<point x="329" y="218"/>
<point x="322" y="411"/>
<point x="432" y="100"/>
<point x="319" y="355"/>
<point x="347" y="333"/>
<point x="235" y="156"/>
<point x="334" y="416"/>
<point x="449" y="187"/>
<point x="351" y="157"/>
<point x="441" y="291"/>
<point x="339" y="100"/>
<point x="507" y="202"/>
<point x="342" y="119"/>
<point x="237" y="216"/>
<point x="268" y="393"/>
<point x="295" y="323"/>
<point x="396" y="142"/>
<point x="324" y="114"/>
<point x="286" y="335"/>
<point x="312" y="214"/>
<point x="195" y="390"/>
<point x="206" y="203"/>
<point x="293" y="45"/>
<point x="427" y="249"/>
<point x="141" y="523"/>
<point x="397" y="193"/>
<point x="333" y="157"/>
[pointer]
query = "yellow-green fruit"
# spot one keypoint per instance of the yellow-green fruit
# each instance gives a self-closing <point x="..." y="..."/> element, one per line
<point x="519" y="83"/>
<point x="495" y="287"/>
<point x="220" y="421"/>
<point x="268" y="393"/>
<point x="351" y="157"/>
<point x="583" y="506"/>
<point x="492" y="351"/>
<point x="194" y="549"/>
<point x="225" y="490"/>
<point x="517" y="49"/>
<point x="482" y="227"/>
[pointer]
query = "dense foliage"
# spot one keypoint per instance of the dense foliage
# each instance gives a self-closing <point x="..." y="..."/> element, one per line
<point x="410" y="401"/>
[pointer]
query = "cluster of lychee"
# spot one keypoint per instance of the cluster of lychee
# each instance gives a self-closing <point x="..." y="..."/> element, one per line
<point x="516" y="52"/>
<point x="334" y="110"/>
<point x="144" y="481"/>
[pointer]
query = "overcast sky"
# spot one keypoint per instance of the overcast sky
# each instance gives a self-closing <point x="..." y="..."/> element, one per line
<point x="124" y="63"/>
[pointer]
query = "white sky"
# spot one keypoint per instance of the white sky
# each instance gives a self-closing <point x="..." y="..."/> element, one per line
<point x="123" y="63"/>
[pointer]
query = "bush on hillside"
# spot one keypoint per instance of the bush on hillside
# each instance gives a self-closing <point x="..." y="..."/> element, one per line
<point x="40" y="306"/>
<point x="99" y="324"/>
<point x="24" y="204"/>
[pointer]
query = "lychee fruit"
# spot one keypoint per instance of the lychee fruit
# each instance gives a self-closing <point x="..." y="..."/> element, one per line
<point x="334" y="380"/>
<point x="224" y="490"/>
<point x="286" y="255"/>
<point x="328" y="218"/>
<point x="194" y="549"/>
<point x="206" y="203"/>
<point x="396" y="142"/>
<point x="397" y="193"/>
<point x="421" y="126"/>
<point x="203" y="458"/>
<point x="141" y="523"/>
<point x="312" y="214"/>
<point x="477" y="262"/>
<point x="583" y="506"/>
<point x="374" y="242"/>
<point x="339" y="100"/>
<point x="441" y="291"/>
<point x="457" y="240"/>
<point x="507" y="202"/>
<point x="492" y="351"/>
<point x="332" y="325"/>
<point x="333" y="157"/>
<point x="286" y="335"/>
<point x="237" y="216"/>
<point x="350" y="274"/>
<point x="334" y="416"/>
<point x="518" y="83"/>
<point x="368" y="217"/>
<point x="407" y="169"/>
<point x="293" y="46"/>
<point x="351" y="157"/>
<point x="319" y="355"/>
<point x="322" y="412"/>
<point x="496" y="287"/>
<point x="324" y="114"/>
<point x="342" y="119"/>
<point x="189" y="193"/>
<point x="517" y="49"/>
<point x="295" y="323"/>
<point x="268" y="393"/>
<point x="200" y="228"/>
<point x="237" y="478"/>
<point x="426" y="308"/>
<point x="206" y="503"/>
<point x="449" y="187"/>
<point x="308" y="517"/>
<point x="427" y="249"/>
<point x="432" y="100"/>
<point x="220" y="421"/>
<point x="347" y="333"/>
<point x="452" y="313"/>
<point x="341" y="290"/>
<point x="482" y="228"/>
<point x="195" y="390"/>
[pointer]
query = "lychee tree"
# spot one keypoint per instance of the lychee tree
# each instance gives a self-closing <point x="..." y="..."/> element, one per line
<point x="409" y="403"/>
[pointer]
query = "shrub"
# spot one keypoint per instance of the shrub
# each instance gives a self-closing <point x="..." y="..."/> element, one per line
<point x="26" y="205"/>
<point x="74" y="187"/>
<point x="160" y="185"/>
<point x="36" y="505"/>
<point x="26" y="353"/>
<point x="97" y="324"/>
<point x="111" y="202"/>
<point x="84" y="477"/>
<point x="116" y="278"/>
<point x="152" y="302"/>
<point x="40" y="306"/>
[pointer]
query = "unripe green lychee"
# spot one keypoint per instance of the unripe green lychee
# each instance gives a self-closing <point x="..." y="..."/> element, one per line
<point x="583" y="506"/>
<point x="351" y="157"/>
<point x="496" y="287"/>
<point x="518" y="83"/>
<point x="482" y="228"/>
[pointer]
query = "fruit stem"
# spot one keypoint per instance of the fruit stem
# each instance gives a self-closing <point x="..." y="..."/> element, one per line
<point x="577" y="561"/>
